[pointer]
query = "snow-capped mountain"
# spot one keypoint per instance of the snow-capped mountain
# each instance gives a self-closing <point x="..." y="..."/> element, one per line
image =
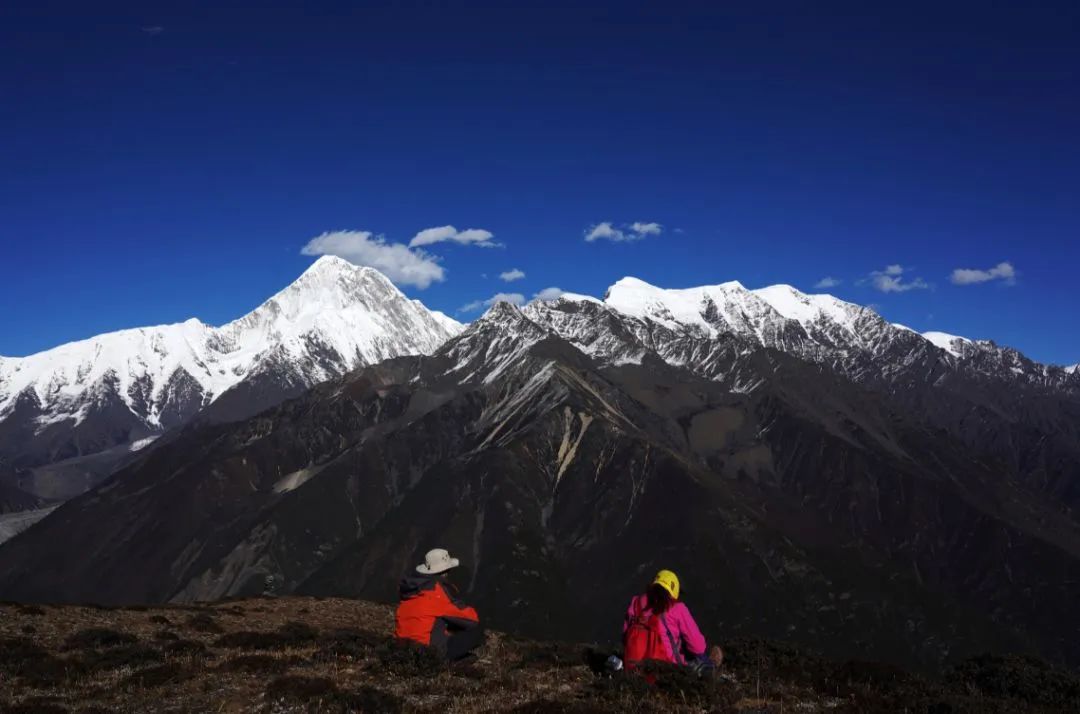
<point x="93" y="394"/>
<point x="682" y="327"/>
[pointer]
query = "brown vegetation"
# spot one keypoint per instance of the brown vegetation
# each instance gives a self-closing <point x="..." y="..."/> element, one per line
<point x="310" y="655"/>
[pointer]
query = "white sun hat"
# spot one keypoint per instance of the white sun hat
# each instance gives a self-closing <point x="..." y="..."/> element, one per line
<point x="437" y="561"/>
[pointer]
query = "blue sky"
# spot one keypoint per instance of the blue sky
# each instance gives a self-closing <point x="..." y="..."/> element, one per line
<point x="160" y="163"/>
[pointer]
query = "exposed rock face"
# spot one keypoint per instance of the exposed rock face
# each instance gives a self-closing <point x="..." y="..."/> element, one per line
<point x="88" y="397"/>
<point x="907" y="508"/>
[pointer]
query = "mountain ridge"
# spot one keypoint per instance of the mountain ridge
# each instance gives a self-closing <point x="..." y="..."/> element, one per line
<point x="91" y="395"/>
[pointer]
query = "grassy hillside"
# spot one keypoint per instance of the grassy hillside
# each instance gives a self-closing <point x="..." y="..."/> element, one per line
<point x="332" y="655"/>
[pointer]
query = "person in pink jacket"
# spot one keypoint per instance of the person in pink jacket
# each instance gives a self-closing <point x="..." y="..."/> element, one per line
<point x="683" y="641"/>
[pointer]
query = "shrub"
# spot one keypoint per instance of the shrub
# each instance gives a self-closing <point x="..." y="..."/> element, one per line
<point x="682" y="684"/>
<point x="291" y="634"/>
<point x="32" y="610"/>
<point x="619" y="687"/>
<point x="22" y="658"/>
<point x="94" y="637"/>
<point x="550" y="655"/>
<point x="203" y="622"/>
<point x="245" y="640"/>
<point x="160" y="620"/>
<point x="256" y="664"/>
<point x="298" y="633"/>
<point x="185" y="647"/>
<point x="543" y="706"/>
<point x="302" y="688"/>
<point x="166" y="636"/>
<point x="330" y="699"/>
<point x="753" y="657"/>
<point x="157" y="676"/>
<point x="409" y="659"/>
<point x="1021" y="677"/>
<point x="367" y="699"/>
<point x="35" y="706"/>
<point x="122" y="656"/>
<point x="353" y="643"/>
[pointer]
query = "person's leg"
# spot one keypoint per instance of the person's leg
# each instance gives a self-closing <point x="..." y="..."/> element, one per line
<point x="701" y="665"/>
<point x="462" y="642"/>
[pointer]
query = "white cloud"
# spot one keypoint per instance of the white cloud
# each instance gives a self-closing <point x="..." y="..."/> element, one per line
<point x="891" y="280"/>
<point x="512" y="298"/>
<point x="551" y="293"/>
<point x="827" y="282"/>
<point x="440" y="234"/>
<point x="635" y="231"/>
<point x="153" y="30"/>
<point x="646" y="229"/>
<point x="1003" y="271"/>
<point x="604" y="231"/>
<point x="511" y="275"/>
<point x="394" y="260"/>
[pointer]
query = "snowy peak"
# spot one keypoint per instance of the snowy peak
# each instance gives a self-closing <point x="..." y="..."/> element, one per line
<point x="807" y="309"/>
<point x="953" y="344"/>
<point x="335" y="317"/>
<point x="329" y="284"/>
<point x="763" y="315"/>
<point x="708" y="310"/>
<point x="675" y="324"/>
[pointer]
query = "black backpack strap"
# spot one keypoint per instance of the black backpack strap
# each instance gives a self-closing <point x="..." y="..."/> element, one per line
<point x="676" y="652"/>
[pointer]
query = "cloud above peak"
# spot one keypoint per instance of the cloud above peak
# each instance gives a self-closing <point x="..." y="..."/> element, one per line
<point x="827" y="282"/>
<point x="441" y="234"/>
<point x="547" y="294"/>
<point x="511" y="275"/>
<point x="512" y="298"/>
<point x="891" y="280"/>
<point x="403" y="265"/>
<point x="1003" y="271"/>
<point x="606" y="230"/>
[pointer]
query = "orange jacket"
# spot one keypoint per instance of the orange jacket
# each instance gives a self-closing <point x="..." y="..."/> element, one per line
<point x="427" y="609"/>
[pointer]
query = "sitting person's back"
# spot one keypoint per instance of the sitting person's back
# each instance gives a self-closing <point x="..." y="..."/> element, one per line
<point x="667" y="622"/>
<point x="430" y="614"/>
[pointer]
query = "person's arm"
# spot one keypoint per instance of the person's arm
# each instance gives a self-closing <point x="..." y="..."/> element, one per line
<point x="693" y="640"/>
<point x="631" y="613"/>
<point x="455" y="613"/>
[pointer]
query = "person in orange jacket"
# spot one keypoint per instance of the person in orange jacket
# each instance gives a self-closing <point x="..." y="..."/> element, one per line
<point x="430" y="613"/>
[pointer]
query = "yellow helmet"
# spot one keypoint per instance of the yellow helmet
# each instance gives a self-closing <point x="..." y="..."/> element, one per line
<point x="668" y="581"/>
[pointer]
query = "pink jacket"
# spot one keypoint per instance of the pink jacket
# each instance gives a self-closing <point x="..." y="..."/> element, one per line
<point x="683" y="629"/>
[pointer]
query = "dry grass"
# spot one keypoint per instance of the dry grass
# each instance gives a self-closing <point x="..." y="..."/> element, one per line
<point x="312" y="655"/>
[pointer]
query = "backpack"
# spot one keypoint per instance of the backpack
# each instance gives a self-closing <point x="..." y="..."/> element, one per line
<point x="644" y="640"/>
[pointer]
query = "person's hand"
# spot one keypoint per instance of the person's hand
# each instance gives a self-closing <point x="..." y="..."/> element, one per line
<point x="716" y="656"/>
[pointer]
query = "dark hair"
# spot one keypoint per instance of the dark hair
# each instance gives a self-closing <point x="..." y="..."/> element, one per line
<point x="659" y="599"/>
